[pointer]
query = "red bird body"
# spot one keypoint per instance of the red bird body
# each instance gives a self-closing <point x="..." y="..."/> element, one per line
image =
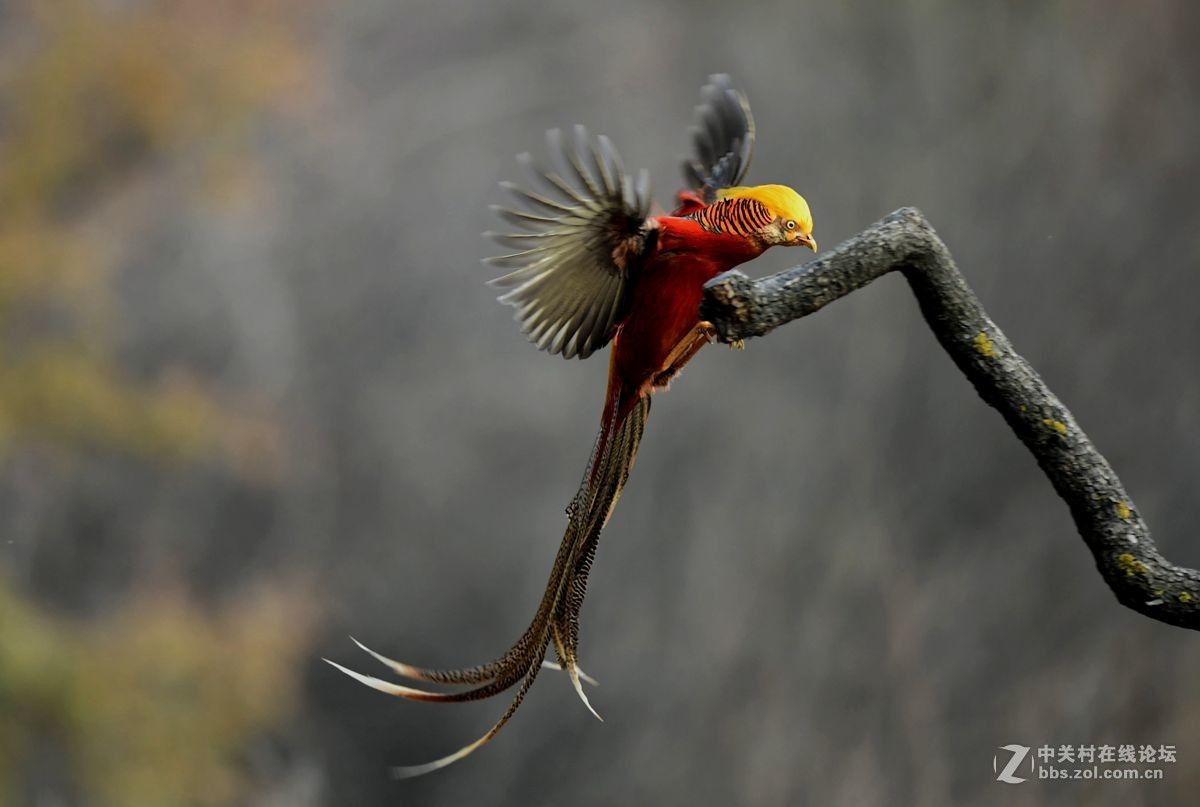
<point x="660" y="332"/>
<point x="594" y="267"/>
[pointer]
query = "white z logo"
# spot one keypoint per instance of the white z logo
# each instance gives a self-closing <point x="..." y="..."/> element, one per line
<point x="1018" y="756"/>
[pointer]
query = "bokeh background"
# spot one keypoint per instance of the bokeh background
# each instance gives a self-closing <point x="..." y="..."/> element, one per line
<point x="254" y="397"/>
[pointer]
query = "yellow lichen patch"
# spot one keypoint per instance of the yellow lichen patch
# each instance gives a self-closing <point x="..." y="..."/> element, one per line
<point x="984" y="346"/>
<point x="1185" y="597"/>
<point x="1057" y="425"/>
<point x="1123" y="510"/>
<point x="1131" y="565"/>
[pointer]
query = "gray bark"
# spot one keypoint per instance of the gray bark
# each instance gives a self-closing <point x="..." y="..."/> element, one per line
<point x="1114" y="531"/>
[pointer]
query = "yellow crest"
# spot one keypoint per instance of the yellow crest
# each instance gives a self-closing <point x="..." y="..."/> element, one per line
<point x="779" y="199"/>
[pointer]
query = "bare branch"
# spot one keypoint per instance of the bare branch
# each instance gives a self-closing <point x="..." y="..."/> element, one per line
<point x="1111" y="526"/>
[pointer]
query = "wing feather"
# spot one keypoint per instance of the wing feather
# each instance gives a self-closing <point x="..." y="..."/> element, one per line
<point x="580" y="235"/>
<point x="722" y="139"/>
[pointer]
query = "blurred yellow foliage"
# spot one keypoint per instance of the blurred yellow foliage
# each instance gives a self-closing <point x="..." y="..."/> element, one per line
<point x="99" y="85"/>
<point x="153" y="703"/>
<point x="102" y="106"/>
<point x="97" y="98"/>
<point x="62" y="395"/>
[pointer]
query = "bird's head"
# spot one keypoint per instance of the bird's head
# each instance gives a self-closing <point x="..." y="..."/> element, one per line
<point x="792" y="222"/>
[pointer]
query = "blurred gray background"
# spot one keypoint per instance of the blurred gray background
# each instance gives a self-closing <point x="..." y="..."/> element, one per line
<point x="255" y="396"/>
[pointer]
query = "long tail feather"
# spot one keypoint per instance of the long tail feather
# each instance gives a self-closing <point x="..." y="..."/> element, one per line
<point x="420" y="674"/>
<point x="557" y="617"/>
<point x="587" y="679"/>
<point x="406" y="772"/>
<point x="411" y="693"/>
<point x="467" y="675"/>
<point x="605" y="488"/>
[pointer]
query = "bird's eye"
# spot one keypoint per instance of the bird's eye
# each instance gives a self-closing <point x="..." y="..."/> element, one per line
<point x="791" y="225"/>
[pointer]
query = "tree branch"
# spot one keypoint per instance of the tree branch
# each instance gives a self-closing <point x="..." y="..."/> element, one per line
<point x="1112" y="528"/>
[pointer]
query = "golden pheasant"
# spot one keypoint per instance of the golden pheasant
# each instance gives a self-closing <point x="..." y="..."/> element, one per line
<point x="595" y="266"/>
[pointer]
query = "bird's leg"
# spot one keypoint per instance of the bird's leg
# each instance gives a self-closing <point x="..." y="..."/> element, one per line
<point x="701" y="334"/>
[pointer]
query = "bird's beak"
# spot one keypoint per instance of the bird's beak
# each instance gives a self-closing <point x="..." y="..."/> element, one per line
<point x="807" y="240"/>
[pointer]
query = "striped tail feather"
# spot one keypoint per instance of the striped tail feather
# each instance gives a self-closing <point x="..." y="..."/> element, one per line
<point x="557" y="617"/>
<point x="605" y="486"/>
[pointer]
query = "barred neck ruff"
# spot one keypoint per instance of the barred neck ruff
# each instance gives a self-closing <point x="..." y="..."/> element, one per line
<point x="736" y="216"/>
<point x="780" y="200"/>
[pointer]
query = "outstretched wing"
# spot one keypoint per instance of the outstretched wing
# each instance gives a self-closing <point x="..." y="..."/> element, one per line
<point x="722" y="139"/>
<point x="581" y="240"/>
